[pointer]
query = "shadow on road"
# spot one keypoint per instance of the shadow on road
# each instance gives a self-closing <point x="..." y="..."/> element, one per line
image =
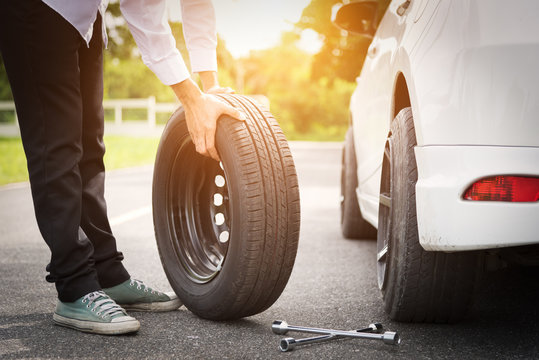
<point x="502" y="324"/>
<point x="509" y="296"/>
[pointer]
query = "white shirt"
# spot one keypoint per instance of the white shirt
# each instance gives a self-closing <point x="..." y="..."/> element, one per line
<point x="148" y="23"/>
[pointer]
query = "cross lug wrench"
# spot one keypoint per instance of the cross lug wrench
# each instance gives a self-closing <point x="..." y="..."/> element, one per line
<point x="289" y="344"/>
<point x="281" y="327"/>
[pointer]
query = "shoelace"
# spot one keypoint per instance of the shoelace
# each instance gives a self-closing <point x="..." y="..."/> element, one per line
<point x="140" y="284"/>
<point x="102" y="304"/>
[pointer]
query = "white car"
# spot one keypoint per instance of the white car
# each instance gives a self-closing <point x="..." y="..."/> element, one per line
<point x="442" y="155"/>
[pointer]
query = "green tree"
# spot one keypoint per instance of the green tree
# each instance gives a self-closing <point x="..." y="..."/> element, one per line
<point x="306" y="109"/>
<point x="341" y="54"/>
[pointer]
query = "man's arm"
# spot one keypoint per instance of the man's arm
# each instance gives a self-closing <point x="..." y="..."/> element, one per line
<point x="200" y="34"/>
<point x="148" y="23"/>
<point x="201" y="114"/>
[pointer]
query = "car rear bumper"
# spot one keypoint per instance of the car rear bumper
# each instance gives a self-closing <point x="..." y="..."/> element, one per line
<point x="448" y="223"/>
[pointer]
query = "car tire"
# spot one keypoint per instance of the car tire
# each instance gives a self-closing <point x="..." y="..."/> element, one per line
<point x="227" y="232"/>
<point x="417" y="285"/>
<point x="353" y="226"/>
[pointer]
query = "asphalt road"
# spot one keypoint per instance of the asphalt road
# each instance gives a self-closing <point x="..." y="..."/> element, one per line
<point x="333" y="285"/>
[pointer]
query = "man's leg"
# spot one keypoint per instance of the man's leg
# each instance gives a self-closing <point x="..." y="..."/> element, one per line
<point x="40" y="52"/>
<point x="94" y="221"/>
<point x="131" y="294"/>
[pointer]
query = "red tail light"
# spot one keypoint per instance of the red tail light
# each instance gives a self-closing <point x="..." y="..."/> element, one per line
<point x="504" y="188"/>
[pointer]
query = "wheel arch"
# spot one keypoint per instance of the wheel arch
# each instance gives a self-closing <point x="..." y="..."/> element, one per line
<point x="401" y="95"/>
<point x="404" y="92"/>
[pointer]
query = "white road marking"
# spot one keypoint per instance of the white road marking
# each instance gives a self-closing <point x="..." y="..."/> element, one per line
<point x="30" y="323"/>
<point x="131" y="215"/>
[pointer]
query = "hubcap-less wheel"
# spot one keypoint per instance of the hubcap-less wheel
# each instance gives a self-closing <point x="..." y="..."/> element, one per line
<point x="417" y="285"/>
<point x="198" y="211"/>
<point x="227" y="235"/>
<point x="384" y="216"/>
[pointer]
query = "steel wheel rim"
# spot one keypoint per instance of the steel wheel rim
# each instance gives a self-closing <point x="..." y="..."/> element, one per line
<point x="198" y="213"/>
<point x="384" y="217"/>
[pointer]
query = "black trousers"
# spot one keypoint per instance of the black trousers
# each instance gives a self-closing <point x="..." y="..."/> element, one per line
<point x="57" y="84"/>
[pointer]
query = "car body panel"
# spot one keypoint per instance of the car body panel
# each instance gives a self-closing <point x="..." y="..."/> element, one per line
<point x="471" y="69"/>
<point x="371" y="111"/>
<point x="475" y="74"/>
<point x="446" y="222"/>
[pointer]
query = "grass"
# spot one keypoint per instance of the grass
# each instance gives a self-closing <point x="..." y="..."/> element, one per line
<point x="126" y="151"/>
<point x="12" y="161"/>
<point x="122" y="151"/>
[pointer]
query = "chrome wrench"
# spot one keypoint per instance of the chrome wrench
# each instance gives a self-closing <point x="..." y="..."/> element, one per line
<point x="281" y="327"/>
<point x="288" y="344"/>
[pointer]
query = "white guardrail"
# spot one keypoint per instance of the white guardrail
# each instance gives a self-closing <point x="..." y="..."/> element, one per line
<point x="118" y="105"/>
<point x="8" y="106"/>
<point x="120" y="126"/>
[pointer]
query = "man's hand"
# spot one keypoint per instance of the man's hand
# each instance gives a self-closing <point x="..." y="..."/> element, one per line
<point x="201" y="114"/>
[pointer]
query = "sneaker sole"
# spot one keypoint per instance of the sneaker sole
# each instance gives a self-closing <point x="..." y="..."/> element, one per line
<point x="124" y="327"/>
<point x="155" y="306"/>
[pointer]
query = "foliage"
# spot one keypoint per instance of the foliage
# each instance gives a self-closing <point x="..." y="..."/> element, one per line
<point x="308" y="95"/>
<point x="305" y="108"/>
<point x="342" y="54"/>
<point x="130" y="78"/>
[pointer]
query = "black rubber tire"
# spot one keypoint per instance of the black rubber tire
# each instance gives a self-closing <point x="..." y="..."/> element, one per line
<point x="353" y="226"/>
<point x="225" y="280"/>
<point x="417" y="285"/>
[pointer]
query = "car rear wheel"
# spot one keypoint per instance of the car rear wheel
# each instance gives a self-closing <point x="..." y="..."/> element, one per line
<point x="417" y="285"/>
<point x="227" y="232"/>
<point x="353" y="226"/>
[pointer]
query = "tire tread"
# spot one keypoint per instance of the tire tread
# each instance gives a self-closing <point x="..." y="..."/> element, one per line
<point x="423" y="286"/>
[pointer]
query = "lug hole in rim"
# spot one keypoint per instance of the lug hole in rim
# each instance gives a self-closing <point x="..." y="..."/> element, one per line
<point x="219" y="219"/>
<point x="224" y="236"/>
<point x="217" y="199"/>
<point x="220" y="181"/>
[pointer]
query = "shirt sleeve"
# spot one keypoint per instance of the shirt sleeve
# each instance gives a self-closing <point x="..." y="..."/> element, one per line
<point x="147" y="21"/>
<point x="199" y="31"/>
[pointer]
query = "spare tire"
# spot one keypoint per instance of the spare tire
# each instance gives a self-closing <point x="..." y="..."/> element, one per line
<point x="227" y="232"/>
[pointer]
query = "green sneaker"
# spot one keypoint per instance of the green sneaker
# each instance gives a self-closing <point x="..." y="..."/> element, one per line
<point x="95" y="313"/>
<point x="135" y="295"/>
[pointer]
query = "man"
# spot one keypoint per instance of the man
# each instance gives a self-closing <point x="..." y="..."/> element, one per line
<point x="52" y="51"/>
